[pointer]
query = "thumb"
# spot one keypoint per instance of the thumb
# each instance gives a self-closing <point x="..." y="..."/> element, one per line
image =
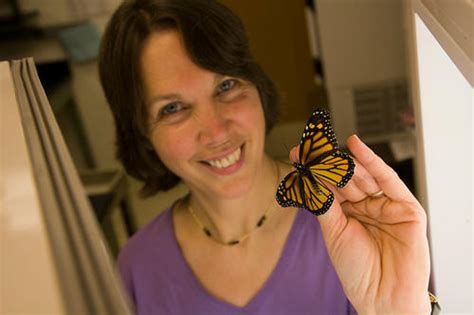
<point x="332" y="222"/>
<point x="294" y="154"/>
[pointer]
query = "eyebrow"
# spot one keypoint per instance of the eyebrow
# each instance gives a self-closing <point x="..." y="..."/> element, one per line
<point x="173" y="96"/>
<point x="166" y="97"/>
<point x="218" y="77"/>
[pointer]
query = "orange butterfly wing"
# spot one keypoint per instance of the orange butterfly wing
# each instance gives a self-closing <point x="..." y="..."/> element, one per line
<point x="320" y="161"/>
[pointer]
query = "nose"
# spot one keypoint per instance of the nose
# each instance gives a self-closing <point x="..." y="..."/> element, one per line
<point x="213" y="126"/>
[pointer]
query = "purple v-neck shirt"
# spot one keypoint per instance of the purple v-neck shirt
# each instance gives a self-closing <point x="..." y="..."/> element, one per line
<point x="159" y="280"/>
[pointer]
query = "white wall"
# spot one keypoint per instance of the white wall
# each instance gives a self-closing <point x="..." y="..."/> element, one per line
<point x="446" y="109"/>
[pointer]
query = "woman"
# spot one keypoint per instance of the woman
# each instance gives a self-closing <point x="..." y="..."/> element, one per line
<point x="191" y="104"/>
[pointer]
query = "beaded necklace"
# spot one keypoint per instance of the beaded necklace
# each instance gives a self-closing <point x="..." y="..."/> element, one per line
<point x="233" y="242"/>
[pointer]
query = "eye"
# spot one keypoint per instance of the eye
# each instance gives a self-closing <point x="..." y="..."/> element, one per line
<point x="171" y="108"/>
<point x="170" y="113"/>
<point x="226" y="85"/>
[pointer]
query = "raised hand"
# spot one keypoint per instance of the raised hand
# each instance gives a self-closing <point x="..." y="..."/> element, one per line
<point x="377" y="241"/>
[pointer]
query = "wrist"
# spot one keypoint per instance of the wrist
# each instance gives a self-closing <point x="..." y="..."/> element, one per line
<point x="416" y="305"/>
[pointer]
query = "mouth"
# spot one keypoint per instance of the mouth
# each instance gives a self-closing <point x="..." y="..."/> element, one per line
<point x="226" y="162"/>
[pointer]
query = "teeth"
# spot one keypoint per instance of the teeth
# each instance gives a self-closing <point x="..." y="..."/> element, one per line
<point x="227" y="161"/>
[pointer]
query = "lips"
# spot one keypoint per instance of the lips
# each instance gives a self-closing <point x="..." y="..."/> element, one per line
<point x="226" y="163"/>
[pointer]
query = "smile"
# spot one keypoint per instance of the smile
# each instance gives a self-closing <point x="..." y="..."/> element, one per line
<point x="227" y="161"/>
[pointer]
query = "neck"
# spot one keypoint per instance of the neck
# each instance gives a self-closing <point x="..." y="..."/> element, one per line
<point x="230" y="219"/>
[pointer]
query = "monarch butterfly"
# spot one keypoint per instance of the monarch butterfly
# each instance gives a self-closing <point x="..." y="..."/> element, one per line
<point x="319" y="161"/>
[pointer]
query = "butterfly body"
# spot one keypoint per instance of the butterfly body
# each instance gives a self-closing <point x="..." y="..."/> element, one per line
<point x="305" y="172"/>
<point x="320" y="162"/>
<point x="301" y="169"/>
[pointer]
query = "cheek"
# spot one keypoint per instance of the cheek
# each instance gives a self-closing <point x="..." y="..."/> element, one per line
<point x="172" y="150"/>
<point x="255" y="118"/>
<point x="250" y="113"/>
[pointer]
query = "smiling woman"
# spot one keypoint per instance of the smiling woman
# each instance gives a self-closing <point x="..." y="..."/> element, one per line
<point x="209" y="119"/>
<point x="191" y="104"/>
<point x="216" y="42"/>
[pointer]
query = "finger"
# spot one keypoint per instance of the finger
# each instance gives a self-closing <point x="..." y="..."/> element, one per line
<point x="294" y="154"/>
<point x="361" y="185"/>
<point x="337" y="194"/>
<point x="351" y="192"/>
<point x="332" y="222"/>
<point x="384" y="175"/>
<point x="364" y="180"/>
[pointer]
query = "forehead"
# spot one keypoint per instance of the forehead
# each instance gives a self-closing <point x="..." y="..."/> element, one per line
<point x="163" y="53"/>
<point x="166" y="67"/>
<point x="162" y="45"/>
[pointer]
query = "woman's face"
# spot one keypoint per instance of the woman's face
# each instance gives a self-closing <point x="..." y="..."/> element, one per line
<point x="207" y="128"/>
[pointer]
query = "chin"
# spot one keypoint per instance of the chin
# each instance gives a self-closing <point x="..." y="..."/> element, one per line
<point x="233" y="191"/>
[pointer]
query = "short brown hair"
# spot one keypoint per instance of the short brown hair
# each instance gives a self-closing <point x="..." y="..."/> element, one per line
<point x="214" y="38"/>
